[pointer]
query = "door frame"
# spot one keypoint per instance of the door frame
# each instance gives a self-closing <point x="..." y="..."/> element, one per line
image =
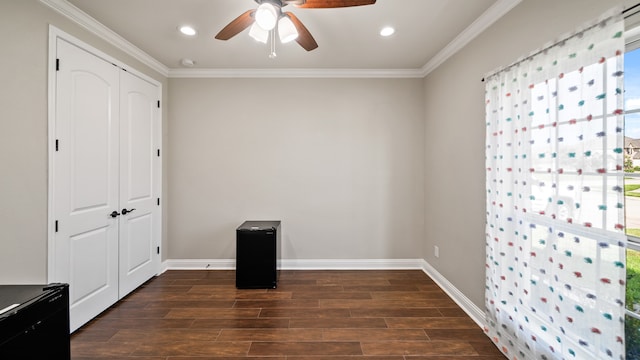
<point x="54" y="35"/>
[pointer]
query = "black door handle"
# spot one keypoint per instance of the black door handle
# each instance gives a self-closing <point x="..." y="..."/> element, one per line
<point x="114" y="214"/>
<point x="125" y="211"/>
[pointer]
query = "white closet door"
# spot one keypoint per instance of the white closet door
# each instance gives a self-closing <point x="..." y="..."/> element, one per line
<point x="86" y="181"/>
<point x="139" y="179"/>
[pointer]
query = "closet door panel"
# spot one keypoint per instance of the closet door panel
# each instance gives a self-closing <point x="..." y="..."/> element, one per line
<point x="86" y="180"/>
<point x="139" y="170"/>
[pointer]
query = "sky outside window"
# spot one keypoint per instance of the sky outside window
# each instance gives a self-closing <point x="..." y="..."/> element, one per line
<point x="632" y="93"/>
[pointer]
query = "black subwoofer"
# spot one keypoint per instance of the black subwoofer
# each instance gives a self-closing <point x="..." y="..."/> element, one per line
<point x="257" y="254"/>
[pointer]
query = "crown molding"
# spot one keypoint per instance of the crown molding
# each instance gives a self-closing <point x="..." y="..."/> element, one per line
<point x="495" y="12"/>
<point x="76" y="15"/>
<point x="295" y="73"/>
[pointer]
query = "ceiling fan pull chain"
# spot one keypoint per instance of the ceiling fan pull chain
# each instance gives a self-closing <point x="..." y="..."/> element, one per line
<point x="272" y="42"/>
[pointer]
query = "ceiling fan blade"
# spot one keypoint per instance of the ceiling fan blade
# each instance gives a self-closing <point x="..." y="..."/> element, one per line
<point x="237" y="25"/>
<point x="325" y="4"/>
<point x="304" y="36"/>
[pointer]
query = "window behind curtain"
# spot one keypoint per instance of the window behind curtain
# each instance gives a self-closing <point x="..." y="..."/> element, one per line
<point x="555" y="195"/>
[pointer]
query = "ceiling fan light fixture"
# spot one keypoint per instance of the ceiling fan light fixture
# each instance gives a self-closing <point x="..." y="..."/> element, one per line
<point x="286" y="30"/>
<point x="258" y="33"/>
<point x="266" y="16"/>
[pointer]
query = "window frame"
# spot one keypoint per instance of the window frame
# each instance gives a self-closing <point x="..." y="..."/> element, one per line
<point x="632" y="42"/>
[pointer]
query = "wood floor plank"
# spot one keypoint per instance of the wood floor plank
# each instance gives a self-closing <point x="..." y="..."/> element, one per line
<point x="321" y="294"/>
<point x="134" y="323"/>
<point x="437" y="303"/>
<point x="351" y="357"/>
<point x="226" y="291"/>
<point x="224" y="358"/>
<point x="86" y="349"/>
<point x="311" y="315"/>
<point x="271" y="335"/>
<point x="396" y="312"/>
<point x="94" y="334"/>
<point x="309" y="287"/>
<point x="305" y="313"/>
<point x="193" y="348"/>
<point x="368" y="288"/>
<point x="212" y="313"/>
<point x="337" y="323"/>
<point x="269" y="295"/>
<point x="413" y="280"/>
<point x="360" y="303"/>
<point x="200" y="303"/>
<point x="373" y="334"/>
<point x="163" y="335"/>
<point x="240" y="323"/>
<point x="455" y="334"/>
<point x="305" y="348"/>
<point x="409" y="295"/>
<point x="126" y="313"/>
<point x="167" y="289"/>
<point x="485" y="348"/>
<point x="277" y="304"/>
<point x="431" y="323"/>
<point x="414" y="348"/>
<point x="91" y="357"/>
<point x="452" y="312"/>
<point x="151" y="297"/>
<point x="355" y="282"/>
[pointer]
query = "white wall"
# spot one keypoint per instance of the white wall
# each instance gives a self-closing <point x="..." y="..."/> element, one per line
<point x="339" y="161"/>
<point x="455" y="130"/>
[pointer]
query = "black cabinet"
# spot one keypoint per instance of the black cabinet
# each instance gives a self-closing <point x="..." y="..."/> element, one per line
<point x="34" y="322"/>
<point x="257" y="254"/>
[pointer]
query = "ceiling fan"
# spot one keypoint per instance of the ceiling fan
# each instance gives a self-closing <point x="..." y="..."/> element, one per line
<point x="269" y="16"/>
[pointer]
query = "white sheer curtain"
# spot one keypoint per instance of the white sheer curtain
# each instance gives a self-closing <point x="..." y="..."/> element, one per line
<point x="555" y="220"/>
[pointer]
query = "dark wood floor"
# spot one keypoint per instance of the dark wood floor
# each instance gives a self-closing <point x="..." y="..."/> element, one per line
<point x="313" y="315"/>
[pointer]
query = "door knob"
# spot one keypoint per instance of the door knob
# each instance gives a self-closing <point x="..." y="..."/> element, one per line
<point x="125" y="211"/>
<point x="114" y="214"/>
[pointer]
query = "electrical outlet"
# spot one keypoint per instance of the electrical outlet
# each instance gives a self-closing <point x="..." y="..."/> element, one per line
<point x="436" y="251"/>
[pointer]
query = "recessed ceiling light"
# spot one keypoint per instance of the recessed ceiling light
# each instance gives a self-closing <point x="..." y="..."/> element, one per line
<point x="387" y="31"/>
<point x="187" y="30"/>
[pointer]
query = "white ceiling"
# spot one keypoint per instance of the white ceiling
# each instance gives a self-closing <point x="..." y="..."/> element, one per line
<point x="347" y="37"/>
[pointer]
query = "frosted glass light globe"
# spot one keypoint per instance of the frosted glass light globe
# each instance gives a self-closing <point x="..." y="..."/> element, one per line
<point x="266" y="16"/>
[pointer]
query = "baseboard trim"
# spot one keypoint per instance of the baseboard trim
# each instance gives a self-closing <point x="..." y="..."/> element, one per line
<point x="351" y="264"/>
<point x="344" y="264"/>
<point x="304" y="264"/>
<point x="474" y="312"/>
<point x="199" y="264"/>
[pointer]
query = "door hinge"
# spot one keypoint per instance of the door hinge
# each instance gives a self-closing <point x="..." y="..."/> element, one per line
<point x="57" y="64"/>
<point x="158" y="249"/>
<point x="158" y="152"/>
<point x="158" y="201"/>
<point x="158" y="104"/>
<point x="57" y="144"/>
<point x="56" y="225"/>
